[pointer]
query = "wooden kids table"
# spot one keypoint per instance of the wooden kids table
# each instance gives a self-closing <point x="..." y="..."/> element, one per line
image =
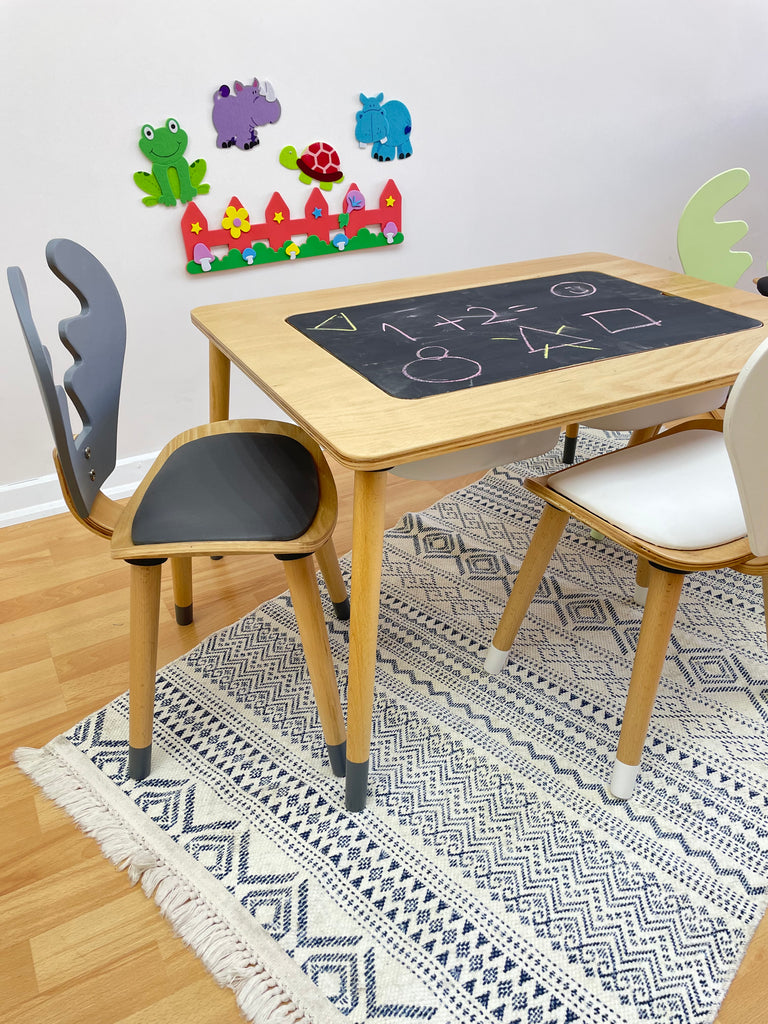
<point x="405" y="379"/>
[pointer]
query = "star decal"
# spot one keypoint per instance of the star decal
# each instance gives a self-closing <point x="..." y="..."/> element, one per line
<point x="196" y="228"/>
<point x="278" y="218"/>
<point x="317" y="212"/>
<point x="390" y="200"/>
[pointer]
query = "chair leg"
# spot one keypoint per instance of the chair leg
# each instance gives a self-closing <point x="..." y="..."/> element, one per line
<point x="145" y="615"/>
<point x="543" y="543"/>
<point x="328" y="561"/>
<point x="664" y="589"/>
<point x="765" y="603"/>
<point x="643" y="434"/>
<point x="302" y="584"/>
<point x="181" y="569"/>
<point x="642" y="577"/>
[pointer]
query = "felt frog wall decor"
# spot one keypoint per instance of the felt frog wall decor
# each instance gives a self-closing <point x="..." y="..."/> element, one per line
<point x="172" y="178"/>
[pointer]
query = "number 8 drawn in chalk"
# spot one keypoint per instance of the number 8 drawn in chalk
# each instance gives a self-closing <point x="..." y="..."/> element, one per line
<point x="438" y="369"/>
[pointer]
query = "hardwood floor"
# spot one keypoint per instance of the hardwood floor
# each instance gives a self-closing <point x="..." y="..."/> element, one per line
<point x="77" y="943"/>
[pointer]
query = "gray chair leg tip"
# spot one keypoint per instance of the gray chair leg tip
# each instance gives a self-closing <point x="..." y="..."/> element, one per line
<point x="337" y="755"/>
<point x="357" y="785"/>
<point x="139" y="762"/>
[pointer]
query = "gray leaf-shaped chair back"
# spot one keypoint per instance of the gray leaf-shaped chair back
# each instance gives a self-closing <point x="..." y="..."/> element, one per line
<point x="96" y="339"/>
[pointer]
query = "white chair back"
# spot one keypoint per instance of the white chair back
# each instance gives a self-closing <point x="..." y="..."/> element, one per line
<point x="746" y="438"/>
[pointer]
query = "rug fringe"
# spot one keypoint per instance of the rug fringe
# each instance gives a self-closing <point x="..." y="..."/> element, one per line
<point x="260" y="997"/>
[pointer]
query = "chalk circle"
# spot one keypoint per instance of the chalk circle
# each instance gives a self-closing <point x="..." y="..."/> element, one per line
<point x="573" y="289"/>
<point x="442" y="368"/>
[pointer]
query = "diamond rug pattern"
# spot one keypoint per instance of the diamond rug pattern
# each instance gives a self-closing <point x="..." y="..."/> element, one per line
<point x="492" y="877"/>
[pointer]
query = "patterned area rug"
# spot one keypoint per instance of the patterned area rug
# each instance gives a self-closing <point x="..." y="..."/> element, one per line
<point x="492" y="877"/>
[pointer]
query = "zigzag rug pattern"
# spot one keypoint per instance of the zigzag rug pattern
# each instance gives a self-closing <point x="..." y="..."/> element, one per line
<point x="492" y="877"/>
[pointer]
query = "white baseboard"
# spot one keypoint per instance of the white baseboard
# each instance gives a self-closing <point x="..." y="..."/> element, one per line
<point x="36" y="499"/>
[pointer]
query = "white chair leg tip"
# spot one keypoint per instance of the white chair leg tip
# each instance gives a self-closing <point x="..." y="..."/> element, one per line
<point x="641" y="593"/>
<point x="623" y="779"/>
<point x="495" y="660"/>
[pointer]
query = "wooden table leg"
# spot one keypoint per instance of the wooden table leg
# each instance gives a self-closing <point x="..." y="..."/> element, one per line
<point x="368" y="513"/>
<point x="569" y="444"/>
<point x="219" y="368"/>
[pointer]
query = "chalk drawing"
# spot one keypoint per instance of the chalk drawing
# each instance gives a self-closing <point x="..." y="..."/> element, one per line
<point x="537" y="340"/>
<point x="573" y="289"/>
<point x="331" y="324"/>
<point x="494" y="318"/>
<point x="392" y="328"/>
<point x="626" y="319"/>
<point x="442" y="368"/>
<point x="445" y="322"/>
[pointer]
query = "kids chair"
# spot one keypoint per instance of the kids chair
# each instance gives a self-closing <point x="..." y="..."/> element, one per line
<point x="234" y="487"/>
<point x="691" y="499"/>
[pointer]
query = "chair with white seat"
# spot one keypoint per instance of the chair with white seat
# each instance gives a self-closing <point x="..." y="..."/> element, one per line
<point x="692" y="498"/>
<point x="645" y="423"/>
<point x="232" y="487"/>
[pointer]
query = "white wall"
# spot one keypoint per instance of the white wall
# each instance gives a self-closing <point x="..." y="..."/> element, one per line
<point x="545" y="127"/>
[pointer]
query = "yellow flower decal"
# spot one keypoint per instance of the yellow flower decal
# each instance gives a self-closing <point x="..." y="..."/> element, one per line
<point x="236" y="221"/>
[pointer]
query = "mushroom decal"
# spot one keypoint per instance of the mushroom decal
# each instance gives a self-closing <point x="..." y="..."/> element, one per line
<point x="340" y="241"/>
<point x="203" y="255"/>
<point x="292" y="250"/>
<point x="249" y="255"/>
<point x="390" y="230"/>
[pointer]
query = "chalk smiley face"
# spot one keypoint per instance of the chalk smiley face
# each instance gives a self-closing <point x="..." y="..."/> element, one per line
<point x="573" y="289"/>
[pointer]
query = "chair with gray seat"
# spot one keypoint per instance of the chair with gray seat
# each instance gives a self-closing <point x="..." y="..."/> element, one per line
<point x="232" y="487"/>
<point x="690" y="499"/>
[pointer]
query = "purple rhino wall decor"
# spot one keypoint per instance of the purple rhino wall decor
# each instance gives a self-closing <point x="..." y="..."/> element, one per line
<point x="386" y="125"/>
<point x="237" y="115"/>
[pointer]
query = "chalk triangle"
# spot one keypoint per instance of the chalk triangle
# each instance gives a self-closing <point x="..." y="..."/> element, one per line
<point x="336" y="322"/>
<point x="534" y="336"/>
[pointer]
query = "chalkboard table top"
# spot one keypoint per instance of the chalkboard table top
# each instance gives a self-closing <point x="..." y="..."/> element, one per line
<point x="451" y="340"/>
<point x="366" y="429"/>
